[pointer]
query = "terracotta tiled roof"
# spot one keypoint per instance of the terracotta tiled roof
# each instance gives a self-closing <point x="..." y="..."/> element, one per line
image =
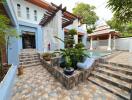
<point x="103" y="30"/>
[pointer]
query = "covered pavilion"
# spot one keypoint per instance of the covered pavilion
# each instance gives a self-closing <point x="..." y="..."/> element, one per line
<point x="104" y="33"/>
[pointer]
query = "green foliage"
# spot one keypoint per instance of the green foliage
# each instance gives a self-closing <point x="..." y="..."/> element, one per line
<point x="79" y="45"/>
<point x="87" y="13"/>
<point x="89" y="30"/>
<point x="72" y="32"/>
<point x="46" y="54"/>
<point x="114" y="24"/>
<point x="129" y="28"/>
<point x="124" y="28"/>
<point x="122" y="10"/>
<point x="6" y="31"/>
<point x="72" y="54"/>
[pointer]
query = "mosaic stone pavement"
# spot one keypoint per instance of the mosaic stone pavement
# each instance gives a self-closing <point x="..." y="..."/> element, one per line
<point x="124" y="58"/>
<point x="37" y="84"/>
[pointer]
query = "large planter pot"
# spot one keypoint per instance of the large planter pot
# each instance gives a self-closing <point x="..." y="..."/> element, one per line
<point x="69" y="71"/>
<point x="47" y="58"/>
<point x="20" y="70"/>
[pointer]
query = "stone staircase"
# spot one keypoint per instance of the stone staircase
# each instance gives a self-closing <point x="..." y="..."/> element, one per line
<point x="28" y="58"/>
<point x="113" y="78"/>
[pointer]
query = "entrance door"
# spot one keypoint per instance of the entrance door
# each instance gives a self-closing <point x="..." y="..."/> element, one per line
<point x="28" y="40"/>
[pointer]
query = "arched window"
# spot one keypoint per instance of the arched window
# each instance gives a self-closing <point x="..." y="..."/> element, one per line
<point x="19" y="10"/>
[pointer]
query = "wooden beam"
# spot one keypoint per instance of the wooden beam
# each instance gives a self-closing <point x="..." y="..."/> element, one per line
<point x="67" y="23"/>
<point x="49" y="18"/>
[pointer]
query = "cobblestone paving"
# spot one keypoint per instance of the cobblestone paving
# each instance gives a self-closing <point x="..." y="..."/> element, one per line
<point x="37" y="84"/>
<point x="122" y="58"/>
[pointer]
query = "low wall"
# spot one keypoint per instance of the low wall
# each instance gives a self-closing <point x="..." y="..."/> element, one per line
<point x="67" y="81"/>
<point x="120" y="44"/>
<point x="7" y="84"/>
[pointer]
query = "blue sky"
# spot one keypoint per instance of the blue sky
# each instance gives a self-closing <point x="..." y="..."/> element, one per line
<point x="101" y="10"/>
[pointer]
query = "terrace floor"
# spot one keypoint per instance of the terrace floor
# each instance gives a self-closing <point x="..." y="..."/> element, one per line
<point x="124" y="58"/>
<point x="37" y="84"/>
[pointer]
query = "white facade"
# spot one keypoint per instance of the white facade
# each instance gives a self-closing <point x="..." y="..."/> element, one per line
<point x="23" y="5"/>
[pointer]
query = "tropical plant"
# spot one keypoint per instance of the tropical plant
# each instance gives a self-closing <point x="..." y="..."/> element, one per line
<point x="87" y="13"/>
<point x="72" y="32"/>
<point x="72" y="55"/>
<point x="122" y="10"/>
<point x="47" y="56"/>
<point x="124" y="28"/>
<point x="6" y="31"/>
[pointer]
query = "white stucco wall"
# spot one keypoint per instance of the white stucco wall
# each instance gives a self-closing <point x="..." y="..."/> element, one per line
<point x="32" y="7"/>
<point x="120" y="44"/>
<point x="123" y="43"/>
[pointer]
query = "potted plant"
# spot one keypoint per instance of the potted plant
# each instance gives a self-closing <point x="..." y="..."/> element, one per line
<point x="68" y="70"/>
<point x="66" y="54"/>
<point x="46" y="56"/>
<point x="20" y="70"/>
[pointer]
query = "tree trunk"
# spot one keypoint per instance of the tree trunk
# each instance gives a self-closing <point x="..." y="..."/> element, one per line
<point x="0" y="60"/>
<point x="7" y="43"/>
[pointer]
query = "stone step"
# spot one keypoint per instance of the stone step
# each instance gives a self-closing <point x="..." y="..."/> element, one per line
<point x="113" y="89"/>
<point x="114" y="81"/>
<point x="116" y="68"/>
<point x="31" y="64"/>
<point x="120" y="65"/>
<point x="29" y="60"/>
<point x="21" y="58"/>
<point x="28" y="56"/>
<point x="116" y="74"/>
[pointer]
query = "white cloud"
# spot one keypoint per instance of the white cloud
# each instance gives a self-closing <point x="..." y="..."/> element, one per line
<point x="101" y="10"/>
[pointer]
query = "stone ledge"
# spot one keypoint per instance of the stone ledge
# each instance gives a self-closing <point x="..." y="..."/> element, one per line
<point x="67" y="81"/>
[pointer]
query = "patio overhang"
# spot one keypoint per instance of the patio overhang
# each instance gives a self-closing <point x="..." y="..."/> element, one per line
<point x="51" y="10"/>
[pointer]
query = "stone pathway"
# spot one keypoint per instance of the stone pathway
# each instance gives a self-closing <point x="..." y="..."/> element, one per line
<point x="37" y="84"/>
<point x="124" y="58"/>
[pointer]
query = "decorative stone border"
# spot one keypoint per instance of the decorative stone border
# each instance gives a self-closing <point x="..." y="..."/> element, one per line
<point x="67" y="81"/>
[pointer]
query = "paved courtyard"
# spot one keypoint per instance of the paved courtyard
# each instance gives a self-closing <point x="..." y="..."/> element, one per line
<point x="37" y="84"/>
<point x="122" y="58"/>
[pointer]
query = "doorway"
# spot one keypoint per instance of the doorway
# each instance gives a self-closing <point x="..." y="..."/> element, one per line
<point x="28" y="40"/>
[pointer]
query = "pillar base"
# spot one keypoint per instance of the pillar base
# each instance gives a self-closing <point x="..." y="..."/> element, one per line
<point x="109" y="49"/>
<point x="91" y="48"/>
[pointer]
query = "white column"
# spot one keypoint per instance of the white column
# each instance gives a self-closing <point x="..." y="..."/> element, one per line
<point x="59" y="28"/>
<point x="114" y="45"/>
<point x="109" y="42"/>
<point x="130" y="44"/>
<point x="84" y="39"/>
<point x="98" y="42"/>
<point x="76" y="39"/>
<point x="91" y="43"/>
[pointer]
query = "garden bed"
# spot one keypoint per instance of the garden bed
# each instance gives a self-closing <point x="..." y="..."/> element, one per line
<point x="7" y="83"/>
<point x="3" y="72"/>
<point x="68" y="81"/>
